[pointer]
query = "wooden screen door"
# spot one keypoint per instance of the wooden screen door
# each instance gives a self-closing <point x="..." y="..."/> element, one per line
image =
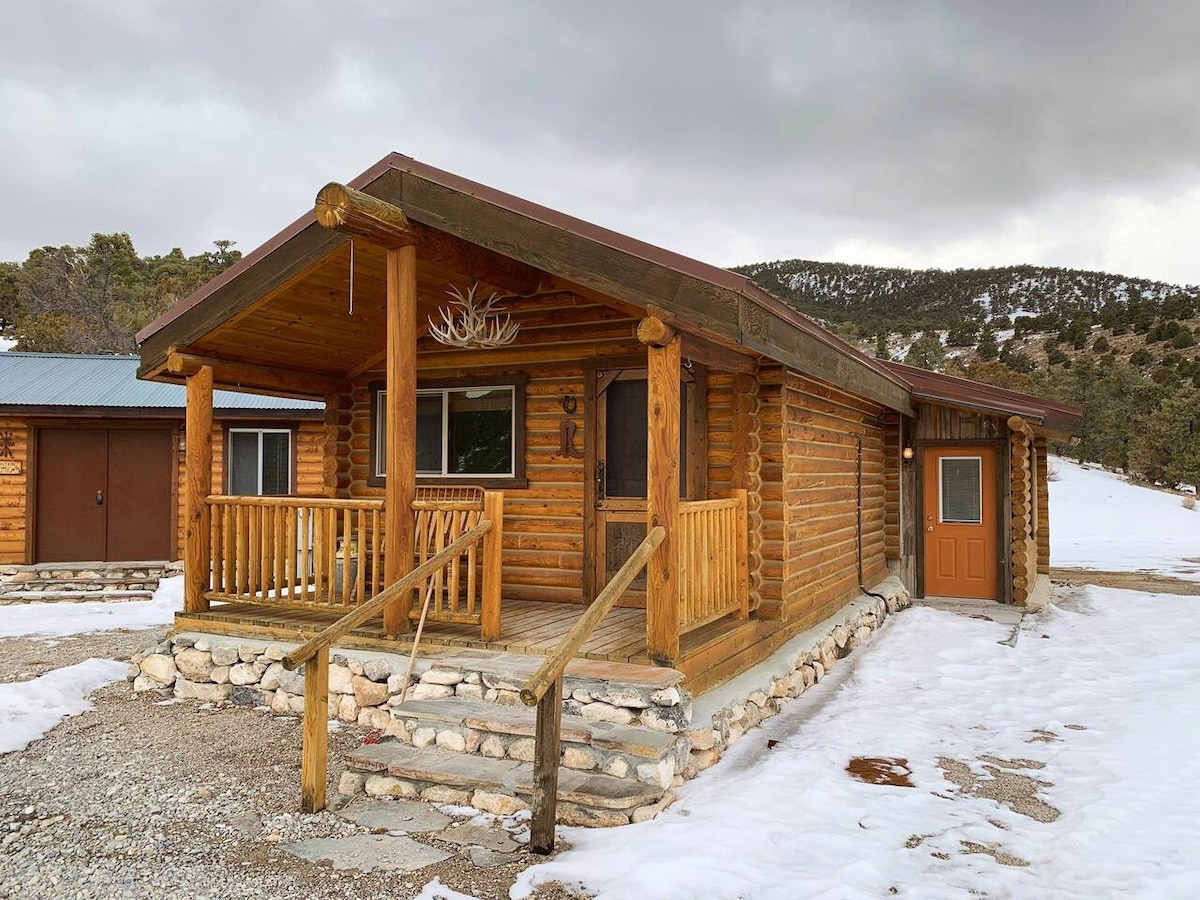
<point x="961" y="543"/>
<point x="621" y="453"/>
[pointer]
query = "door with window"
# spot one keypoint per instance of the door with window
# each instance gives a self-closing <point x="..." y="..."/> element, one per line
<point x="621" y="454"/>
<point x="960" y="520"/>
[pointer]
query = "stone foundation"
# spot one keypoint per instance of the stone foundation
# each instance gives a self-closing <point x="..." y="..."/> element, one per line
<point x="82" y="582"/>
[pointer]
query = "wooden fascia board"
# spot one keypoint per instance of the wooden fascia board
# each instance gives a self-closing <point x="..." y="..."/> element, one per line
<point x="708" y="309"/>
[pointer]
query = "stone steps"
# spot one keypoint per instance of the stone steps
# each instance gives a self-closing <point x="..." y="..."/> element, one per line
<point x="500" y="786"/>
<point x="490" y="730"/>
<point x="74" y="596"/>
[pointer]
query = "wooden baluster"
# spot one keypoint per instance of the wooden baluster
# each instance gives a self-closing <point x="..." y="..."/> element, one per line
<point x="318" y="553"/>
<point x="331" y="554"/>
<point x="289" y="550"/>
<point x="347" y="579"/>
<point x="314" y="755"/>
<point x="376" y="544"/>
<point x="229" y="515"/>
<point x="360" y="580"/>
<point x="452" y="599"/>
<point x="255" y="549"/>
<point x="264" y="559"/>
<point x="472" y="561"/>
<point x="439" y="580"/>
<point x="213" y="577"/>
<point x="281" y="553"/>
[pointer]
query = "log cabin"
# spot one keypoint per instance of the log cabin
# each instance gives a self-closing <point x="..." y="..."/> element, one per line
<point x="90" y="465"/>
<point x="547" y="440"/>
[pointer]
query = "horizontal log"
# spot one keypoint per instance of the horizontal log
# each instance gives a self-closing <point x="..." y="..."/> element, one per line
<point x="237" y="375"/>
<point x="340" y="208"/>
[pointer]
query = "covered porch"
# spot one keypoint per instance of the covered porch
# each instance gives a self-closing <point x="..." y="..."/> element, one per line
<point x="618" y="421"/>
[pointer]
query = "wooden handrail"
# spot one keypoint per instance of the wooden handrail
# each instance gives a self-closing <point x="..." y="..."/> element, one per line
<point x="375" y="605"/>
<point x="544" y="688"/>
<point x="554" y="664"/>
<point x="315" y="502"/>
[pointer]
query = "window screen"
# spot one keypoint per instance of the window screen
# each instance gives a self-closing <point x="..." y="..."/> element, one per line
<point x="243" y="463"/>
<point x="276" y="463"/>
<point x="962" y="490"/>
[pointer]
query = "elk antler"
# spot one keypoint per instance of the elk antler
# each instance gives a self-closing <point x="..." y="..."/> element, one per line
<point x="474" y="324"/>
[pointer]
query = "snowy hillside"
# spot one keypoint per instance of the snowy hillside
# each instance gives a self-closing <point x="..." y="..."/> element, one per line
<point x="1100" y="521"/>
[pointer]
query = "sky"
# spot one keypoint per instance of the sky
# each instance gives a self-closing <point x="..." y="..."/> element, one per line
<point x="890" y="132"/>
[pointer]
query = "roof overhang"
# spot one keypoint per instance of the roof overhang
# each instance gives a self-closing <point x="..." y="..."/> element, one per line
<point x="705" y="300"/>
<point x="1060" y="421"/>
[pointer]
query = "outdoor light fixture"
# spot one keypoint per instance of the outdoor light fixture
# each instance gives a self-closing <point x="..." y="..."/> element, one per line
<point x="907" y="453"/>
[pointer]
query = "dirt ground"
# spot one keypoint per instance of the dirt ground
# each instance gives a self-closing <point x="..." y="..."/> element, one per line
<point x="1132" y="581"/>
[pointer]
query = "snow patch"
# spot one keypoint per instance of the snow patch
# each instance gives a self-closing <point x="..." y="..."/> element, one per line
<point x="29" y="709"/>
<point x="60" y="619"/>
<point x="1098" y="520"/>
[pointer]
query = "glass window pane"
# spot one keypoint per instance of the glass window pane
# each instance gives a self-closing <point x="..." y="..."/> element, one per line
<point x="381" y="433"/>
<point x="277" y="463"/>
<point x="243" y="463"/>
<point x="961" y="490"/>
<point x="479" y="432"/>
<point x="429" y="434"/>
<point x="625" y="439"/>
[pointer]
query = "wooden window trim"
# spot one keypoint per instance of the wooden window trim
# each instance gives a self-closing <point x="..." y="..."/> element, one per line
<point x="519" y="384"/>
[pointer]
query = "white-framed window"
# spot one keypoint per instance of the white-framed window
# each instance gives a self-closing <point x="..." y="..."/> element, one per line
<point x="462" y="432"/>
<point x="260" y="461"/>
<point x="960" y="490"/>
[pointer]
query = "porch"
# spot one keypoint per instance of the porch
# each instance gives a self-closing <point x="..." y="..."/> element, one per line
<point x="287" y="568"/>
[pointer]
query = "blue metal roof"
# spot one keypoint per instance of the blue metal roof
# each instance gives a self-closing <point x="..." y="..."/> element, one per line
<point x="70" y="380"/>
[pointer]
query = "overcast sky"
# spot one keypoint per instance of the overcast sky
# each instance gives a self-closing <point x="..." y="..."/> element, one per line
<point x="920" y="134"/>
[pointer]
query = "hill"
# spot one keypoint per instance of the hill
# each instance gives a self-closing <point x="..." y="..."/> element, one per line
<point x="1125" y="349"/>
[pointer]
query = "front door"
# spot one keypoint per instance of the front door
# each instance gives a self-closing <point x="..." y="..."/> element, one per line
<point x="620" y="514"/>
<point x="961" y="543"/>
<point x="103" y="494"/>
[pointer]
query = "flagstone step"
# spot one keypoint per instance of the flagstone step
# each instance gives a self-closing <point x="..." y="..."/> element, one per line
<point x="75" y="596"/>
<point x="501" y="786"/>
<point x="491" y="730"/>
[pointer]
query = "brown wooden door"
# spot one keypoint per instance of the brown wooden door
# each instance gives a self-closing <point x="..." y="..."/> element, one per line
<point x="961" y="543"/>
<point x="103" y="495"/>
<point x="72" y="474"/>
<point x="139" y="495"/>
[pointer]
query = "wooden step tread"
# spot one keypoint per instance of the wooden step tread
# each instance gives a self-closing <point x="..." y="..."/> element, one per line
<point x="516" y="669"/>
<point x="521" y="721"/>
<point x="442" y="767"/>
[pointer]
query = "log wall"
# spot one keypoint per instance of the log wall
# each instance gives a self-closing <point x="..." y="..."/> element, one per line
<point x="820" y="561"/>
<point x="1043" y="507"/>
<point x="893" y="443"/>
<point x="14" y="493"/>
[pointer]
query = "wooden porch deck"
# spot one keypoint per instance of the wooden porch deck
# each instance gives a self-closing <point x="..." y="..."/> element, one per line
<point x="528" y="627"/>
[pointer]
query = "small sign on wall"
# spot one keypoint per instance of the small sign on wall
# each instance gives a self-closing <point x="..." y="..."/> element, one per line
<point x="10" y="467"/>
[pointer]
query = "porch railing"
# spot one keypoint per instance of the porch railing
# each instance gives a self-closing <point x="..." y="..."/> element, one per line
<point x="308" y="552"/>
<point x="713" y="565"/>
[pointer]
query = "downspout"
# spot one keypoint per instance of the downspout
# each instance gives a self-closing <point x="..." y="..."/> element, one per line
<point x="859" y="520"/>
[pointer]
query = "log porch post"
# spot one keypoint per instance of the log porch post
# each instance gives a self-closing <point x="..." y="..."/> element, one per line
<point x="662" y="488"/>
<point x="197" y="562"/>
<point x="401" y="482"/>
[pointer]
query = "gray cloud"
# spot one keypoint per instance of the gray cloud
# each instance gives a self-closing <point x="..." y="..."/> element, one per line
<point x="922" y="133"/>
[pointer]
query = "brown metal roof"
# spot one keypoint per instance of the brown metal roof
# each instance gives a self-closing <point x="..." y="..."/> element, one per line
<point x="950" y="389"/>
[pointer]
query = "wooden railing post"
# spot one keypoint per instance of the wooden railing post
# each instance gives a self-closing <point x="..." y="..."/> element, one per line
<point x="662" y="499"/>
<point x="197" y="554"/>
<point x="493" y="565"/>
<point x="314" y="755"/>
<point x="742" y="553"/>
<point x="401" y="441"/>
<point x="546" y="755"/>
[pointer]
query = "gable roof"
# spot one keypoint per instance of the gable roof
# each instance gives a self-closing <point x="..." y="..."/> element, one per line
<point x="77" y="381"/>
<point x="1051" y="415"/>
<point x="698" y="297"/>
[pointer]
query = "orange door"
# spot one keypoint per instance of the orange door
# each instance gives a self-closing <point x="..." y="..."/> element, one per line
<point x="961" y="548"/>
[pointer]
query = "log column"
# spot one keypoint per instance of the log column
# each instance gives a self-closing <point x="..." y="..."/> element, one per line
<point x="197" y="562"/>
<point x="401" y="435"/>
<point x="1024" y="553"/>
<point x="662" y="489"/>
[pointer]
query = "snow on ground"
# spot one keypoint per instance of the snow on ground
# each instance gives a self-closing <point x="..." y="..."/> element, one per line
<point x="1100" y="521"/>
<point x="1095" y="691"/>
<point x="28" y="709"/>
<point x="59" y="619"/>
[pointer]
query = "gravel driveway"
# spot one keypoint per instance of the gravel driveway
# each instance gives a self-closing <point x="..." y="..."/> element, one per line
<point x="138" y="799"/>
